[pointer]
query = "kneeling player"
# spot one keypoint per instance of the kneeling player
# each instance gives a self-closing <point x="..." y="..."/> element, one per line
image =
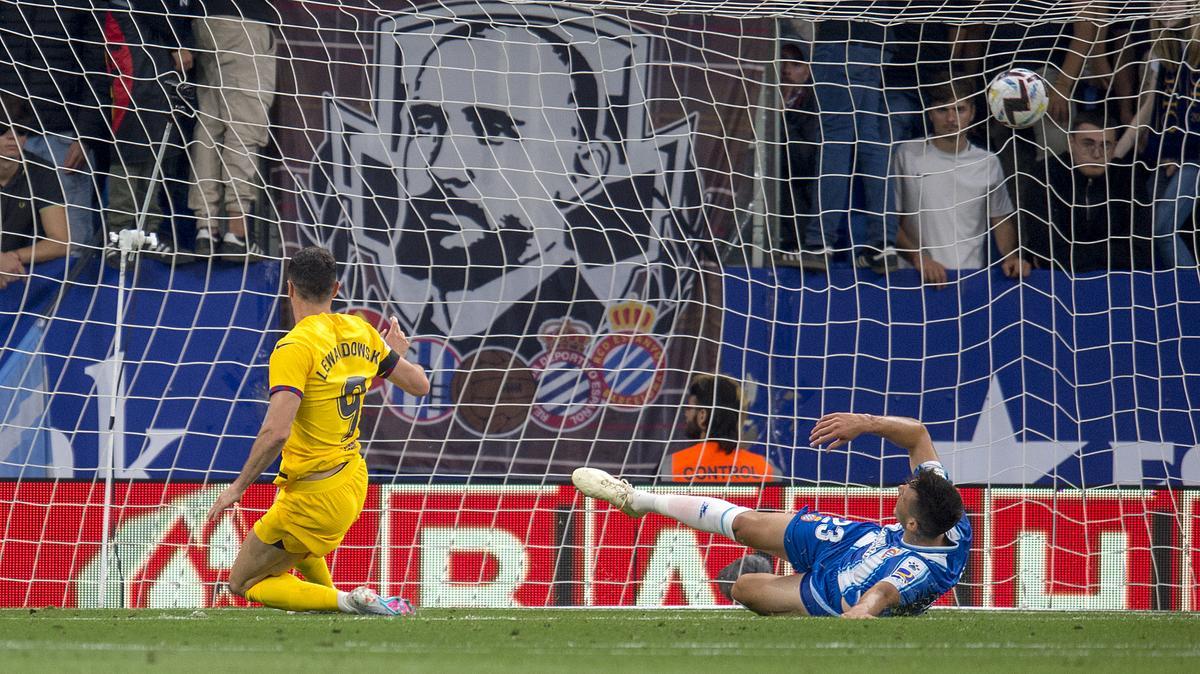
<point x="319" y="373"/>
<point x="843" y="567"/>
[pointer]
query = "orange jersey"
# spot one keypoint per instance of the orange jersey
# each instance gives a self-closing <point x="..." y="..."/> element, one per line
<point x="329" y="360"/>
<point x="705" y="462"/>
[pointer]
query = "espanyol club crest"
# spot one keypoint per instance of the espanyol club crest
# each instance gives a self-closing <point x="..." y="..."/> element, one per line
<point x="566" y="398"/>
<point x="629" y="361"/>
<point x="442" y="361"/>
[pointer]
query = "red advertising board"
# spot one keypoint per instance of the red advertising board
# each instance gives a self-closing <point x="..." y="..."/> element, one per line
<point x="513" y="545"/>
<point x="1072" y="550"/>
<point x="469" y="546"/>
<point x="1189" y="571"/>
<point x="654" y="561"/>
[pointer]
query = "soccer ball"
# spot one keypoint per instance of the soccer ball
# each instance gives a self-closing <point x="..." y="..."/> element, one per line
<point x="1018" y="98"/>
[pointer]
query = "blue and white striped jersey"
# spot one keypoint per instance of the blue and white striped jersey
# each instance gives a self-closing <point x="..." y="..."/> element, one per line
<point x="879" y="554"/>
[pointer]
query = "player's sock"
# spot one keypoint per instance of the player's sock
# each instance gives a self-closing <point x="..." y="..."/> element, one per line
<point x="316" y="571"/>
<point x="289" y="593"/>
<point x="698" y="512"/>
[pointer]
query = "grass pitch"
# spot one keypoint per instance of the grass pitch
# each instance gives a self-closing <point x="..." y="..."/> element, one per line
<point x="55" y="640"/>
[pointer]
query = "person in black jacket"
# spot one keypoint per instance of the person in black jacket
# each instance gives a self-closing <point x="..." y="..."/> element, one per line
<point x="148" y="43"/>
<point x="1080" y="211"/>
<point x="52" y="55"/>
<point x="806" y="239"/>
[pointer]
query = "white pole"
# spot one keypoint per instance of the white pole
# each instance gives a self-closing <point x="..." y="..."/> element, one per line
<point x="106" y="462"/>
<point x="128" y="242"/>
<point x="766" y="166"/>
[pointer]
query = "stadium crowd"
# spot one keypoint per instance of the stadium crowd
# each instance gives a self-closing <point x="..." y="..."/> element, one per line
<point x="153" y="114"/>
<point x="913" y="172"/>
<point x="888" y="159"/>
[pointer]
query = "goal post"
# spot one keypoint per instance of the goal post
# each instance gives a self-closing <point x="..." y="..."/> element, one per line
<point x="573" y="209"/>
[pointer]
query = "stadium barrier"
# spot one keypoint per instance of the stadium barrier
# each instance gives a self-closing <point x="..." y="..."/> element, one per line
<point x="545" y="545"/>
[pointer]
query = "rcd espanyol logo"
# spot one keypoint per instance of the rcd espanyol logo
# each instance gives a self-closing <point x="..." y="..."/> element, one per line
<point x="629" y="361"/>
<point x="441" y="361"/>
<point x="566" y="398"/>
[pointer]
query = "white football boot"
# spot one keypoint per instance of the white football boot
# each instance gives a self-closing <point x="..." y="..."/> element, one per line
<point x="600" y="485"/>
<point x="365" y="601"/>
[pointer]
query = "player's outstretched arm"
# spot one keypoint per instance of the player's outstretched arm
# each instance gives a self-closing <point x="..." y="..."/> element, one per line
<point x="842" y="427"/>
<point x="882" y="596"/>
<point x="408" y="376"/>
<point x="276" y="428"/>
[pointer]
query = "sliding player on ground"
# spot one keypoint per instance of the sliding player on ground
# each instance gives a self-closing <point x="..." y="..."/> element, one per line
<point x="843" y="567"/>
<point x="319" y="373"/>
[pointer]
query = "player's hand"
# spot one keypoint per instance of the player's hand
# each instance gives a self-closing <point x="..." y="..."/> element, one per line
<point x="227" y="498"/>
<point x="856" y="612"/>
<point x="839" y="428"/>
<point x="1014" y="267"/>
<point x="394" y="337"/>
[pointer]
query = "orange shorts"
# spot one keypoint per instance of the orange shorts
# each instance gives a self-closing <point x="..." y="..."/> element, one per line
<point x="313" y="516"/>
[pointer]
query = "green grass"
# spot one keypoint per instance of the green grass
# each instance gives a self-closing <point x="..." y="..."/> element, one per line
<point x="618" y="642"/>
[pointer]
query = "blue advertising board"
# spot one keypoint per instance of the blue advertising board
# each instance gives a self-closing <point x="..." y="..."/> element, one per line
<point x="1052" y="381"/>
<point x="193" y="384"/>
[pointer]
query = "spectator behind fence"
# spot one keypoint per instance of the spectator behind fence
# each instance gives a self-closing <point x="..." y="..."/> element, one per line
<point x="148" y="44"/>
<point x="1108" y="81"/>
<point x="949" y="191"/>
<point x="801" y="235"/>
<point x="847" y="73"/>
<point x="920" y="57"/>
<point x="235" y="60"/>
<point x="1085" y="216"/>
<point x="1057" y="50"/>
<point x="713" y="415"/>
<point x="1170" y="107"/>
<point x="52" y="55"/>
<point x="33" y="215"/>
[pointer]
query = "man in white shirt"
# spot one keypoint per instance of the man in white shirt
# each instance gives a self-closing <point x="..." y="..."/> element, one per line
<point x="951" y="193"/>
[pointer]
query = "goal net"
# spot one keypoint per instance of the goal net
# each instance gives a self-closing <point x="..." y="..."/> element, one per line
<point x="576" y="210"/>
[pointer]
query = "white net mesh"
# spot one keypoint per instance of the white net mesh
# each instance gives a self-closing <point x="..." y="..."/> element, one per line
<point x="575" y="209"/>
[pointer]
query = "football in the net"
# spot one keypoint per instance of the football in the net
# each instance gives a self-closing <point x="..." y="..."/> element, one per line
<point x="1018" y="98"/>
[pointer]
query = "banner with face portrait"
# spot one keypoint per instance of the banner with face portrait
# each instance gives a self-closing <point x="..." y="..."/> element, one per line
<point x="519" y="186"/>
